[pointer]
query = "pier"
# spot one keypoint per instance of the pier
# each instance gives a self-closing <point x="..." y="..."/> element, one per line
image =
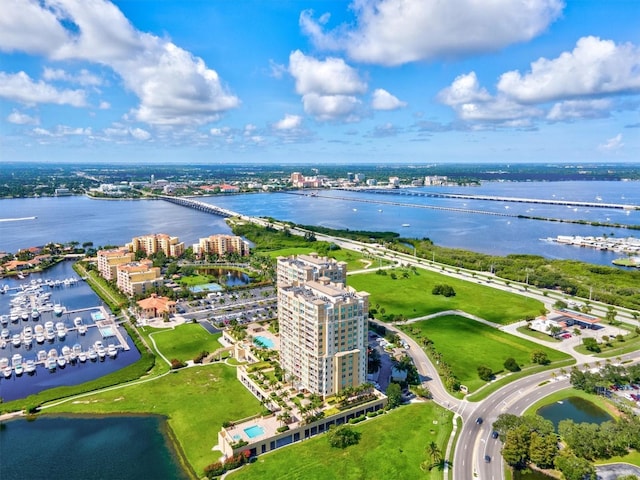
<point x="203" y="207"/>
<point x="462" y="196"/>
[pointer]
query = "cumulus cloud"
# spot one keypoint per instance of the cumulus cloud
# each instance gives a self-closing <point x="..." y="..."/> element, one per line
<point x="580" y="84"/>
<point x="289" y="122"/>
<point x="83" y="77"/>
<point x="383" y="100"/>
<point x="328" y="87"/>
<point x="612" y="145"/>
<point x="173" y="86"/>
<point x="329" y="77"/>
<point x="395" y="32"/>
<point x="20" y="118"/>
<point x="580" y="109"/>
<point x="594" y="67"/>
<point x="19" y="87"/>
<point x="104" y="105"/>
<point x="63" y="131"/>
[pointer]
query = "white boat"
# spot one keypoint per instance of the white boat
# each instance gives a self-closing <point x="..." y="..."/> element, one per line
<point x="82" y="329"/>
<point x="112" y="351"/>
<point x="35" y="314"/>
<point x="30" y="366"/>
<point x="61" y="330"/>
<point x="66" y="350"/>
<point x="57" y="309"/>
<point x="39" y="329"/>
<point x="14" y="317"/>
<point x="82" y="356"/>
<point x="100" y="350"/>
<point x="4" y="362"/>
<point x="51" y="364"/>
<point x="24" y="315"/>
<point x="93" y="356"/>
<point x="16" y="340"/>
<point x="16" y="363"/>
<point x="406" y="224"/>
<point x="27" y="336"/>
<point x="5" y="334"/>
<point x="50" y="334"/>
<point x="6" y="371"/>
<point x="75" y="352"/>
<point x="77" y="321"/>
<point x="61" y="361"/>
<point x="4" y="320"/>
<point x="42" y="356"/>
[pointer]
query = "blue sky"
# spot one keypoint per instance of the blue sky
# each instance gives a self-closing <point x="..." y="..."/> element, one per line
<point x="297" y="81"/>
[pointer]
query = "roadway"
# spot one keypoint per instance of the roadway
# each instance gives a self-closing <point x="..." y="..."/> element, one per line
<point x="474" y="440"/>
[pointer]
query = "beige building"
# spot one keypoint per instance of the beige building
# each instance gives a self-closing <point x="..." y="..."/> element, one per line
<point x="137" y="278"/>
<point x="157" y="242"/>
<point x="156" y="306"/>
<point x="323" y="335"/>
<point x="108" y="261"/>
<point x="221" y="245"/>
<point x="296" y="270"/>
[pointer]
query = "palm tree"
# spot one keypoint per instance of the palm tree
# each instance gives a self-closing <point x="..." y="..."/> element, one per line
<point x="434" y="453"/>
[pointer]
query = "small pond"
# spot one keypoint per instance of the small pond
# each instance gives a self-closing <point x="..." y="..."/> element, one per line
<point x="224" y="277"/>
<point x="574" y="408"/>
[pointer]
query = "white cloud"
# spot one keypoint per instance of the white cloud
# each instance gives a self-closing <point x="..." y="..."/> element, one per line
<point x="83" y="77"/>
<point x="173" y="86"/>
<point x="219" y="132"/>
<point x="330" y="107"/>
<point x="289" y="122"/>
<point x="394" y="32"/>
<point x="464" y="89"/>
<point x="579" y="109"/>
<point x="140" y="134"/>
<point x="20" y="118"/>
<point x="63" y="131"/>
<point x="329" y="77"/>
<point x="104" y="105"/>
<point x="612" y="145"/>
<point x="594" y="67"/>
<point x="19" y="87"/>
<point x="327" y="87"/>
<point x="383" y="100"/>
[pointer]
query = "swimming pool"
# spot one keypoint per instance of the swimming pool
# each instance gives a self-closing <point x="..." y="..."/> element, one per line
<point x="206" y="287"/>
<point x="267" y="342"/>
<point x="107" y="332"/>
<point x="97" y="316"/>
<point x="254" y="431"/>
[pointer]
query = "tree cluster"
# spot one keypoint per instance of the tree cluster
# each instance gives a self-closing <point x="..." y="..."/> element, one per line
<point x="609" y="374"/>
<point x="343" y="436"/>
<point x="591" y="441"/>
<point x="528" y="439"/>
<point x="445" y="290"/>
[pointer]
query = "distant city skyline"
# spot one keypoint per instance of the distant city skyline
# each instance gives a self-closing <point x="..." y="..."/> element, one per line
<point x="308" y="81"/>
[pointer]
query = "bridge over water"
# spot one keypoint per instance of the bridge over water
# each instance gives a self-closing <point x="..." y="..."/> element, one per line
<point x="204" y="207"/>
<point x="410" y="193"/>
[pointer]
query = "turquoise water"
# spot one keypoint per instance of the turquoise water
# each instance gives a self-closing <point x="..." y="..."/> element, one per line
<point x="254" y="431"/>
<point x="70" y="448"/>
<point x="574" y="408"/>
<point x="267" y="342"/>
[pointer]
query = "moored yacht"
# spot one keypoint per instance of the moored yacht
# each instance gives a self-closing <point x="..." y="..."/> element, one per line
<point x="91" y="353"/>
<point x="16" y="363"/>
<point x="100" y="350"/>
<point x="112" y="350"/>
<point x="30" y="367"/>
<point x="35" y="314"/>
<point x="5" y="334"/>
<point x="42" y="355"/>
<point x="61" y="330"/>
<point x="4" y="320"/>
<point x="16" y="339"/>
<point x="27" y="336"/>
<point x="57" y="309"/>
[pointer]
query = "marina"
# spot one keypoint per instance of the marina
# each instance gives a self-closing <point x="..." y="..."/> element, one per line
<point x="628" y="245"/>
<point x="56" y="346"/>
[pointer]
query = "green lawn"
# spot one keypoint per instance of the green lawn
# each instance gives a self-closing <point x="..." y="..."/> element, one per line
<point x="391" y="446"/>
<point x="412" y="297"/>
<point x="195" y="400"/>
<point x="185" y="341"/>
<point x="193" y="280"/>
<point x="465" y="344"/>
<point x="355" y="260"/>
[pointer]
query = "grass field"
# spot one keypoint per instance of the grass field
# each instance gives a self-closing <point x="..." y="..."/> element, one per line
<point x="193" y="280"/>
<point x="412" y="297"/>
<point x="465" y="344"/>
<point x="354" y="260"/>
<point x="195" y="400"/>
<point x="391" y="446"/>
<point x="185" y="341"/>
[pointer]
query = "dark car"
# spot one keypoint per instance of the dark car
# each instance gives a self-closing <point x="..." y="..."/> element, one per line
<point x="479" y="420"/>
<point x="487" y="458"/>
<point x="494" y="434"/>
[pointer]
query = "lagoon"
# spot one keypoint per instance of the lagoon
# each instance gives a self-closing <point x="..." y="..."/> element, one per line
<point x="70" y="448"/>
<point x="574" y="408"/>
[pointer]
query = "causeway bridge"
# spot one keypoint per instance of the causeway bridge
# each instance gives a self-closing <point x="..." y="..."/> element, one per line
<point x="203" y="207"/>
<point x="410" y="193"/>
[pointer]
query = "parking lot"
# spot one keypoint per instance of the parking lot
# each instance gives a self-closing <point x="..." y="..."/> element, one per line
<point x="220" y="308"/>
